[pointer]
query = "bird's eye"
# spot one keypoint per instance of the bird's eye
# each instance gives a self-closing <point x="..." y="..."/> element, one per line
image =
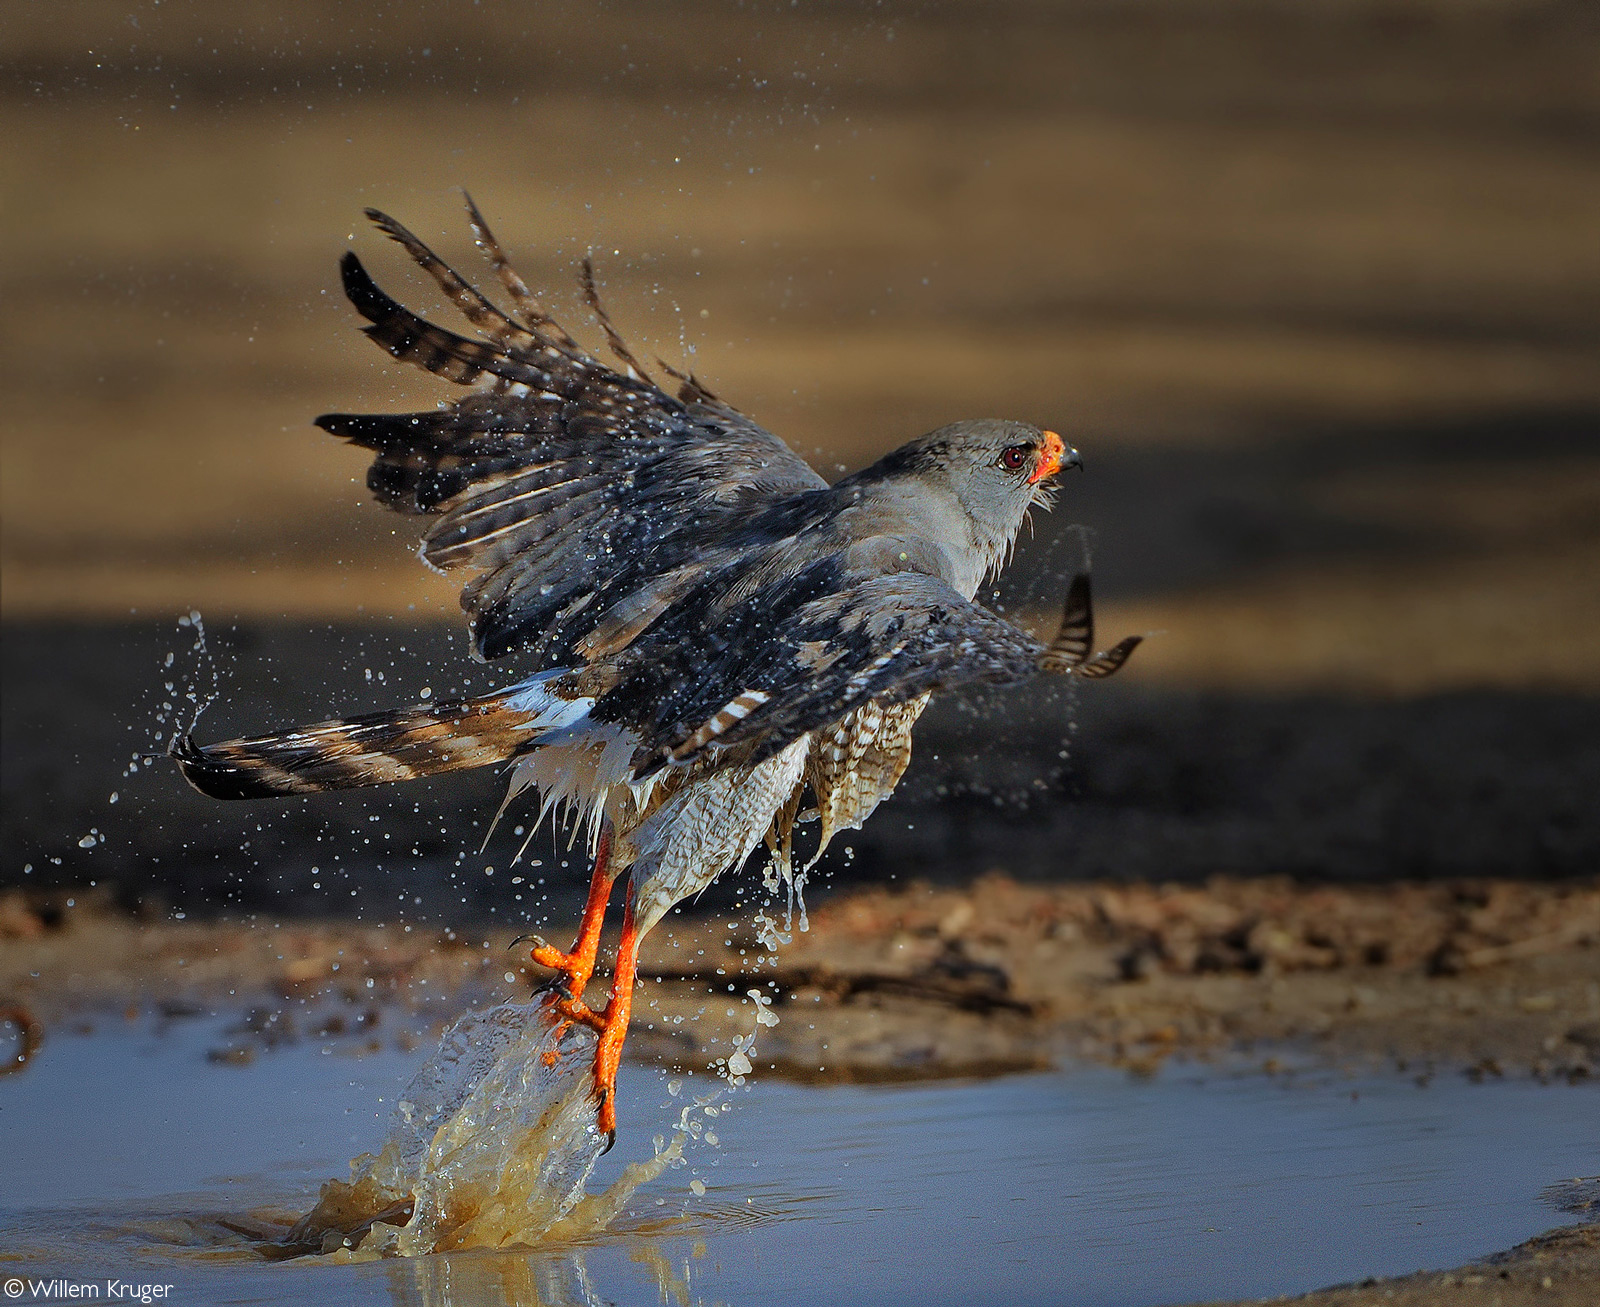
<point x="1015" y="458"/>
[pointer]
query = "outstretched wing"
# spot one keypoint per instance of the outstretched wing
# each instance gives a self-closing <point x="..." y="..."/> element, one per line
<point x="802" y="654"/>
<point x="582" y="495"/>
<point x="806" y="650"/>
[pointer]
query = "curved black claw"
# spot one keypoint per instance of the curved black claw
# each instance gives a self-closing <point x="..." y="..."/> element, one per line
<point x="602" y="1094"/>
<point x="557" y="985"/>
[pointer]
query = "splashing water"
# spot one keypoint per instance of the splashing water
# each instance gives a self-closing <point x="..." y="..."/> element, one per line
<point x="168" y="717"/>
<point x="491" y="1146"/>
<point x="205" y="663"/>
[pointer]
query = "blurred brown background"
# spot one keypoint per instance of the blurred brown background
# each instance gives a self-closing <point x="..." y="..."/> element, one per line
<point x="1314" y="285"/>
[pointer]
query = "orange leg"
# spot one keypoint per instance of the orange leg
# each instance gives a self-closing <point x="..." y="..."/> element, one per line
<point x="614" y="1027"/>
<point x="577" y="966"/>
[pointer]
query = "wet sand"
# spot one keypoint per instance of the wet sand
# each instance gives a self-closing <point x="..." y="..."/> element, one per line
<point x="1561" y="1267"/>
<point x="1474" y="978"/>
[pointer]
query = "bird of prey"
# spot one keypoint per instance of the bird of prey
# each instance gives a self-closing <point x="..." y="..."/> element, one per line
<point x="714" y="629"/>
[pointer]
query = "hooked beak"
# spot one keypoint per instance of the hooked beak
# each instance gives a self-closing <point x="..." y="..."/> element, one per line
<point x="1057" y="455"/>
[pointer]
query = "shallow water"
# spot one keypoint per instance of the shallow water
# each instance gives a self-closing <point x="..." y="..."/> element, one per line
<point x="122" y="1151"/>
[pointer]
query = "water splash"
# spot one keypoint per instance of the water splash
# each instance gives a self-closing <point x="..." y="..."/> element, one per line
<point x="205" y="665"/>
<point x="491" y="1146"/>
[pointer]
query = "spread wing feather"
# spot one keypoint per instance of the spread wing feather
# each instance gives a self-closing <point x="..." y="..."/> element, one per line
<point x="570" y="487"/>
<point x="818" y="643"/>
<point x="803" y="653"/>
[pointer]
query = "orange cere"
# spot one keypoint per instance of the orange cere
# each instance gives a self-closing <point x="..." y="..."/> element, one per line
<point x="1050" y="460"/>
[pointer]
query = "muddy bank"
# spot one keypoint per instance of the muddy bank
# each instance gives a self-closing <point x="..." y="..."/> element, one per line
<point x="1485" y="978"/>
<point x="1558" y="1269"/>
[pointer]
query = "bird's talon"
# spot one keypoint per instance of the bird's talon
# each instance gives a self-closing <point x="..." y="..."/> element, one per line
<point x="557" y="985"/>
<point x="553" y="958"/>
<point x="571" y="1010"/>
<point x="606" y="1121"/>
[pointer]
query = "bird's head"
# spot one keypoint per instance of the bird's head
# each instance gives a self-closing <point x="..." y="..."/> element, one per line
<point x="998" y="469"/>
<point x="995" y="469"/>
<point x="968" y="486"/>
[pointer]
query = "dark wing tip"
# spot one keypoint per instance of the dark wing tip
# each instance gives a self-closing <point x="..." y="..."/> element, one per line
<point x="362" y="292"/>
<point x="358" y="285"/>
<point x="373" y="430"/>
<point x="356" y="278"/>
<point x="350" y="270"/>
<point x="402" y="235"/>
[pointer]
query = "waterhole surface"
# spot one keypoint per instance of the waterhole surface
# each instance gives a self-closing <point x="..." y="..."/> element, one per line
<point x="126" y="1154"/>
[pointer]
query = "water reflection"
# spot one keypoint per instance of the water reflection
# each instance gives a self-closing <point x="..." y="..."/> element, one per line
<point x="530" y="1280"/>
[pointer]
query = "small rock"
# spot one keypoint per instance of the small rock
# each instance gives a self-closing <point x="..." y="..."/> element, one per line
<point x="1588" y="1035"/>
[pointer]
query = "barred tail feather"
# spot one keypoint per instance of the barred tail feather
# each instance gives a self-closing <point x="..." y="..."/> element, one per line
<point x="1071" y="652"/>
<point x="398" y="745"/>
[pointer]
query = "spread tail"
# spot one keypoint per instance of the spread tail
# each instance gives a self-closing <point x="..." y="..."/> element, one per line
<point x="397" y="745"/>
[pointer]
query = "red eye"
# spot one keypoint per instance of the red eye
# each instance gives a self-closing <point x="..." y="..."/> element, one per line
<point x="1016" y="457"/>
